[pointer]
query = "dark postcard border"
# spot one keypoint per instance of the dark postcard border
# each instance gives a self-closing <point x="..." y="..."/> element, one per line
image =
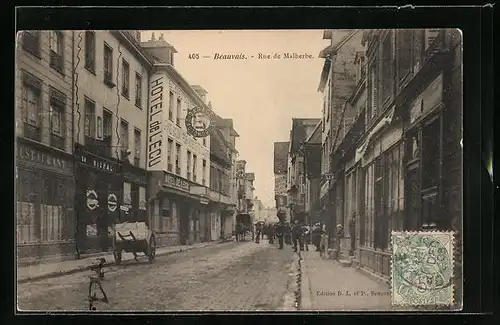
<point x="476" y="24"/>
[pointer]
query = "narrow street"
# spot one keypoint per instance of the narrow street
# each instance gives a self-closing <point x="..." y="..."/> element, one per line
<point x="230" y="276"/>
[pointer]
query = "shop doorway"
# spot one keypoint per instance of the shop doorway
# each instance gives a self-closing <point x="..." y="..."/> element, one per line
<point x="184" y="223"/>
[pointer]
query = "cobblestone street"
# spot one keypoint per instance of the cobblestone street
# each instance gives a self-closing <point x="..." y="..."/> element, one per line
<point x="232" y="276"/>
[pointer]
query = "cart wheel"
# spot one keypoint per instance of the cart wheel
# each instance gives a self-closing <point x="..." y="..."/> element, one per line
<point x="152" y="249"/>
<point x="118" y="257"/>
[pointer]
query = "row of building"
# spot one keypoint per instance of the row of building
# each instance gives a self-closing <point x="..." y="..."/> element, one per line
<point x="386" y="152"/>
<point x="101" y="139"/>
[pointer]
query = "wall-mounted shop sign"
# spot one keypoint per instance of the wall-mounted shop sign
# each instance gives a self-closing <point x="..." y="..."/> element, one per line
<point x="176" y="182"/>
<point x="199" y="122"/>
<point x="112" y="202"/>
<point x="92" y="201"/>
<point x="27" y="153"/>
<point x="97" y="163"/>
<point x="429" y="99"/>
<point x="158" y="95"/>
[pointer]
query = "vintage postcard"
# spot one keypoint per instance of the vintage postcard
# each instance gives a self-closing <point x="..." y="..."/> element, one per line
<point x="238" y="170"/>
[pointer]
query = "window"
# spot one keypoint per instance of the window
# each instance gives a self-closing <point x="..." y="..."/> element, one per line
<point x="188" y="172"/>
<point x="138" y="90"/>
<point x="177" y="159"/>
<point x="107" y="130"/>
<point x="124" y="138"/>
<point x="90" y="126"/>
<point x="171" y="106"/>
<point x="170" y="153"/>
<point x="195" y="158"/>
<point x="166" y="214"/>
<point x="387" y="61"/>
<point x="204" y="179"/>
<point x="31" y="42"/>
<point x="137" y="140"/>
<point x="108" y="65"/>
<point x="205" y="142"/>
<point x="57" y="119"/>
<point x="404" y="52"/>
<point x="56" y="50"/>
<point x="90" y="51"/>
<point x="430" y="154"/>
<point x="178" y="116"/>
<point x="32" y="108"/>
<point x="125" y="79"/>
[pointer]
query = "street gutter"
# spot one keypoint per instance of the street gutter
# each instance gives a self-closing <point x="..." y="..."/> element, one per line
<point x="82" y="268"/>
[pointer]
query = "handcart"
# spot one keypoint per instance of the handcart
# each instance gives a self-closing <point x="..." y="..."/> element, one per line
<point x="133" y="237"/>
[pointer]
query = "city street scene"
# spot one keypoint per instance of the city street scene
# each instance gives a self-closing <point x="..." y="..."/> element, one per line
<point x="238" y="170"/>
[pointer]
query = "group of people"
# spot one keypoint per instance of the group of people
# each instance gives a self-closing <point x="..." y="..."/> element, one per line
<point x="301" y="235"/>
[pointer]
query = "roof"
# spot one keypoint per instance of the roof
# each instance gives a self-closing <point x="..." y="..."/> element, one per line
<point x="301" y="129"/>
<point x="199" y="89"/>
<point x="315" y="136"/>
<point x="329" y="51"/>
<point x="227" y="123"/>
<point x="153" y="42"/>
<point x="281" y="157"/>
<point x="332" y="49"/>
<point x="218" y="146"/>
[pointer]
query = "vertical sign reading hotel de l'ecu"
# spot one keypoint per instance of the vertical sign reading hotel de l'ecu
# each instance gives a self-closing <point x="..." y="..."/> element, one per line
<point x="155" y="143"/>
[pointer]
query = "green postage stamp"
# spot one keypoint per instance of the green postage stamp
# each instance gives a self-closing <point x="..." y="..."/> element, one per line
<point x="422" y="268"/>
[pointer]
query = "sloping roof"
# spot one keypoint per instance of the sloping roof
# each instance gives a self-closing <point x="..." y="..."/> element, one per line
<point x="281" y="157"/>
<point x="299" y="131"/>
<point x="227" y="123"/>
<point x="315" y="136"/>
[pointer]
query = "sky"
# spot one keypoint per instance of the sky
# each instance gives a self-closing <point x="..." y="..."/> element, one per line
<point x="260" y="95"/>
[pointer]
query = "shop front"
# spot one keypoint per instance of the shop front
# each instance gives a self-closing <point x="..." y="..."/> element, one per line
<point x="44" y="201"/>
<point x="379" y="158"/>
<point x="99" y="191"/>
<point x="133" y="208"/>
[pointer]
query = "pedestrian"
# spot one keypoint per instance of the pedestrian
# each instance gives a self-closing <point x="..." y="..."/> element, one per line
<point x="323" y="246"/>
<point x="316" y="235"/>
<point x="297" y="233"/>
<point x="307" y="236"/>
<point x="280" y="229"/>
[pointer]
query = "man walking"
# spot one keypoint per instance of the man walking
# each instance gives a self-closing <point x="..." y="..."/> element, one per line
<point x="297" y="232"/>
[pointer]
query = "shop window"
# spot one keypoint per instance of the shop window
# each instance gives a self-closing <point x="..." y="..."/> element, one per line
<point x="56" y="51"/>
<point x="431" y="142"/>
<point x="166" y="214"/>
<point x="430" y="209"/>
<point x="380" y="224"/>
<point x="90" y="50"/>
<point x="52" y="210"/>
<point x="32" y="108"/>
<point x="57" y="119"/>
<point x="27" y="190"/>
<point x="31" y="42"/>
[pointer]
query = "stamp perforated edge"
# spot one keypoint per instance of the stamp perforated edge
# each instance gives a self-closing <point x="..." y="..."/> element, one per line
<point x="454" y="250"/>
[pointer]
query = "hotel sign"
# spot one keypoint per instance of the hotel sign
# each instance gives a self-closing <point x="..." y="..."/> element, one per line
<point x="176" y="182"/>
<point x="158" y="95"/>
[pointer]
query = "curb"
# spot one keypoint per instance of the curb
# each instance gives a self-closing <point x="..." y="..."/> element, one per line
<point x="305" y="289"/>
<point x="377" y="278"/>
<point x="107" y="264"/>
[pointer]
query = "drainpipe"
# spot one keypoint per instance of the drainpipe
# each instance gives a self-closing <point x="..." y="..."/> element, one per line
<point x="73" y="93"/>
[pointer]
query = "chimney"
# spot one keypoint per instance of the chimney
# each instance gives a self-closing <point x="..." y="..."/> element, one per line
<point x="160" y="49"/>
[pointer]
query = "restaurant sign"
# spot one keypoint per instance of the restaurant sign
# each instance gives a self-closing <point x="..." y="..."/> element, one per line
<point x="176" y="182"/>
<point x="32" y="155"/>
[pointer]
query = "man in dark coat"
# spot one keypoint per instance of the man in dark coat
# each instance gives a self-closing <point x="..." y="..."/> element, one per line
<point x="280" y="232"/>
<point x="316" y="236"/>
<point x="297" y="239"/>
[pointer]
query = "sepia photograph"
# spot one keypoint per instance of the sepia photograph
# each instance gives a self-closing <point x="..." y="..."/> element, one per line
<point x="239" y="170"/>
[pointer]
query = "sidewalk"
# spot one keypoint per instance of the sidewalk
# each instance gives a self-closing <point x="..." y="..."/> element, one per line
<point x="50" y="270"/>
<point x="326" y="285"/>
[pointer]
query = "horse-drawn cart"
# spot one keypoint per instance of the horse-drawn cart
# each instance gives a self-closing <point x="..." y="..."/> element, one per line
<point x="133" y="237"/>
